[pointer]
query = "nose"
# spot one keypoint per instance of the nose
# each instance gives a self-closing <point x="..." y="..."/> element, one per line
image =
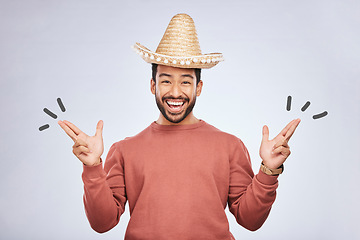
<point x="175" y="91"/>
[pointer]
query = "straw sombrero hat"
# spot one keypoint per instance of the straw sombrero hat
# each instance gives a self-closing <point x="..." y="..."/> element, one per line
<point x="179" y="47"/>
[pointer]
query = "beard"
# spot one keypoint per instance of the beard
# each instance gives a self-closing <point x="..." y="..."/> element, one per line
<point x="175" y="117"/>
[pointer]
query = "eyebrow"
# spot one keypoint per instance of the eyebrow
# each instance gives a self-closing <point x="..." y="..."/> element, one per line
<point x="164" y="75"/>
<point x="169" y="75"/>
<point x="187" y="75"/>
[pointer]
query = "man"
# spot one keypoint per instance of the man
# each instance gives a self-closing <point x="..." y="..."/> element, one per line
<point x="180" y="172"/>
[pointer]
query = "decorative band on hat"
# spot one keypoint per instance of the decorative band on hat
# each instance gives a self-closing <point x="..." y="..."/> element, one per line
<point x="149" y="56"/>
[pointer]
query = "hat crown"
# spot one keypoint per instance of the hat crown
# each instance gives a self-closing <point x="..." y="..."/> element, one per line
<point x="180" y="38"/>
<point x="179" y="47"/>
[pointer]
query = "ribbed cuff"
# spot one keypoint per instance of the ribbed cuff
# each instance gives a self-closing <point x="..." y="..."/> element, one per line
<point x="91" y="172"/>
<point x="266" y="179"/>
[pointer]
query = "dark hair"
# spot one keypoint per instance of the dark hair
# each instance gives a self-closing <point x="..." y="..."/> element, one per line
<point x="154" y="71"/>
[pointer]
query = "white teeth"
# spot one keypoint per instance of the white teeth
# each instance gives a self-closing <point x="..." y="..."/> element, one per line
<point x="175" y="103"/>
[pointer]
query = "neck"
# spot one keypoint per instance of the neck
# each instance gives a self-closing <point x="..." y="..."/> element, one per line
<point x="190" y="119"/>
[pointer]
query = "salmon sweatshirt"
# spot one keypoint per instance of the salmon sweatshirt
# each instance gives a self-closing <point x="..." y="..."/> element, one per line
<point x="177" y="181"/>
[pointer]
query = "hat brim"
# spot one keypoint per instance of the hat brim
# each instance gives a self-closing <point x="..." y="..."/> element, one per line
<point x="201" y="61"/>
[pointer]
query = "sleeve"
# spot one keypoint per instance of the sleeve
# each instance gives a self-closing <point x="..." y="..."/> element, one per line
<point x="250" y="197"/>
<point x="104" y="191"/>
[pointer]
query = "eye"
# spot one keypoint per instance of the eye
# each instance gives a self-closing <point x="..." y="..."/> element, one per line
<point x="186" y="82"/>
<point x="165" y="81"/>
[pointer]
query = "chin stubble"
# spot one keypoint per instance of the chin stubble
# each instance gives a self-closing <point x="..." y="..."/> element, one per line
<point x="165" y="114"/>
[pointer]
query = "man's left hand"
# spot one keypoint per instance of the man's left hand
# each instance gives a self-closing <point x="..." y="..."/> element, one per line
<point x="274" y="152"/>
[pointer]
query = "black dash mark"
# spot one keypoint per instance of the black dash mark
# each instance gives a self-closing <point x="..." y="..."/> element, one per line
<point x="61" y="105"/>
<point x="51" y="114"/>
<point x="46" y="126"/>
<point x="307" y="104"/>
<point x="288" y="104"/>
<point x="320" y="115"/>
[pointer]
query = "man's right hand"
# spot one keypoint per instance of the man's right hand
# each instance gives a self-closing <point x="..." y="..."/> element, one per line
<point x="88" y="149"/>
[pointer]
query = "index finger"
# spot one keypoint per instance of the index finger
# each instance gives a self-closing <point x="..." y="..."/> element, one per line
<point x="286" y="129"/>
<point x="291" y="131"/>
<point x="74" y="128"/>
<point x="68" y="130"/>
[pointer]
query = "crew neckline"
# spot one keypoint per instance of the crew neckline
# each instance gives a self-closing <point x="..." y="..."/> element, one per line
<point x="177" y="127"/>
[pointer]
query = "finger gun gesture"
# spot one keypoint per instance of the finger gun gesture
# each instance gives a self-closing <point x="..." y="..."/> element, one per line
<point x="88" y="149"/>
<point x="274" y="152"/>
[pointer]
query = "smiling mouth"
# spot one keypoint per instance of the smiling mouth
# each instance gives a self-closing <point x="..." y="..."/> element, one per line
<point x="175" y="106"/>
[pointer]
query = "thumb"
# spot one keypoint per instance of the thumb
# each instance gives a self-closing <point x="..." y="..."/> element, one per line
<point x="265" y="133"/>
<point x="99" y="128"/>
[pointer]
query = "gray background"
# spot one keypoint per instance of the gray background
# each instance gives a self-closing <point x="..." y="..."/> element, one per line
<point x="80" y="51"/>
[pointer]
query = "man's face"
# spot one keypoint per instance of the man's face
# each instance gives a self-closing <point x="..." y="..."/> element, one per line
<point x="175" y="92"/>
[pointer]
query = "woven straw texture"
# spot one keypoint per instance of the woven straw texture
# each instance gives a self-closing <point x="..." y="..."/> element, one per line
<point x="180" y="38"/>
<point x="179" y="47"/>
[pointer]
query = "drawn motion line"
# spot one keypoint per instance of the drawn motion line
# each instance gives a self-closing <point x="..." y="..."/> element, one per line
<point x="288" y="104"/>
<point x="303" y="109"/>
<point x="307" y="104"/>
<point x="43" y="127"/>
<point x="61" y="105"/>
<point x="51" y="114"/>
<point x="320" y="115"/>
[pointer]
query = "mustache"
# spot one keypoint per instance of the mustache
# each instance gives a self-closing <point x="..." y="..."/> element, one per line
<point x="179" y="98"/>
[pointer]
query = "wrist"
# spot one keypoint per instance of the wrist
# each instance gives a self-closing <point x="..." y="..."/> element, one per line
<point x="98" y="162"/>
<point x="271" y="171"/>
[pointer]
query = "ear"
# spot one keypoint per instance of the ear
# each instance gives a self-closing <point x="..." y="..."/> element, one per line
<point x="152" y="86"/>
<point x="199" y="88"/>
